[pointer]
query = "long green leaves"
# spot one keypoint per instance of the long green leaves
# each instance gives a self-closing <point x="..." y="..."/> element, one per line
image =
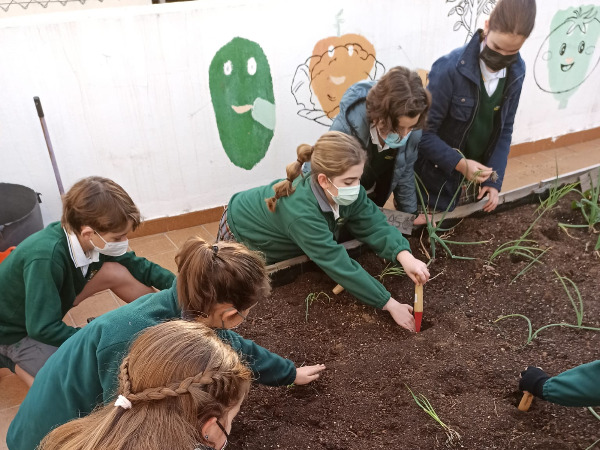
<point x="312" y="297"/>
<point x="433" y="229"/>
<point x="577" y="306"/>
<point x="452" y="436"/>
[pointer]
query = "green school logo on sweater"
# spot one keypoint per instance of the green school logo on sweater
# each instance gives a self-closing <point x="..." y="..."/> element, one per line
<point x="241" y="91"/>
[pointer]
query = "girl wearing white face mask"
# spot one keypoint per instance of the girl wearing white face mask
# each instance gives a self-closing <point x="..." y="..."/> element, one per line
<point x="303" y="215"/>
<point x="65" y="263"/>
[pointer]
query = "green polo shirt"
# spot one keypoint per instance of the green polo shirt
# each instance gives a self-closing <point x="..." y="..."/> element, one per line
<point x="39" y="283"/>
<point x="304" y="223"/>
<point x="83" y="373"/>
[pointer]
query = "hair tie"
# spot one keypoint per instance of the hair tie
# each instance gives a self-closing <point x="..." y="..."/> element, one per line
<point x="300" y="162"/>
<point x="290" y="180"/>
<point x="215" y="249"/>
<point x="123" y="402"/>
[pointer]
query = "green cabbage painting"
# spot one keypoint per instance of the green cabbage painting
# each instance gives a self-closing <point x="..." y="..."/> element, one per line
<point x="569" y="54"/>
<point x="241" y="91"/>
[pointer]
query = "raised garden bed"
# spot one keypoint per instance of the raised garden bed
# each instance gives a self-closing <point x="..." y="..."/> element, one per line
<point x="465" y="364"/>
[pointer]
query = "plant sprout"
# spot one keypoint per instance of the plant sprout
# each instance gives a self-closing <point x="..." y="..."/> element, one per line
<point x="590" y="210"/>
<point x="453" y="437"/>
<point x="312" y="297"/>
<point x="433" y="229"/>
<point x="577" y="306"/>
<point x="391" y="269"/>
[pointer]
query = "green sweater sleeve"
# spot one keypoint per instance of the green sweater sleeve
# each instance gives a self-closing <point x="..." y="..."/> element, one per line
<point x="579" y="386"/>
<point x="368" y="224"/>
<point x="43" y="305"/>
<point x="268" y="368"/>
<point x="144" y="271"/>
<point x="315" y="239"/>
<point x="109" y="364"/>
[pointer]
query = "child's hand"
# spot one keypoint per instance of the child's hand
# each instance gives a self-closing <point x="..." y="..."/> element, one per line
<point x="415" y="269"/>
<point x="401" y="313"/>
<point x="474" y="171"/>
<point x="306" y="374"/>
<point x="492" y="198"/>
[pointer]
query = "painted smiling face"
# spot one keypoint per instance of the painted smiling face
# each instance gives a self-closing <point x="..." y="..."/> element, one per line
<point x="569" y="54"/>
<point x="241" y="91"/>
<point x="338" y="63"/>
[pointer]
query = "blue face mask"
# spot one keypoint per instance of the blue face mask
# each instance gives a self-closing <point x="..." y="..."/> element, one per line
<point x="393" y="140"/>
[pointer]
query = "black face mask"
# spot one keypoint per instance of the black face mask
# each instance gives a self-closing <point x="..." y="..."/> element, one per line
<point x="496" y="61"/>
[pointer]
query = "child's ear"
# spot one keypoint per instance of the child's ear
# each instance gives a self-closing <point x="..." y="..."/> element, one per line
<point x="208" y="428"/>
<point x="229" y="314"/>
<point x="86" y="232"/>
<point x="322" y="179"/>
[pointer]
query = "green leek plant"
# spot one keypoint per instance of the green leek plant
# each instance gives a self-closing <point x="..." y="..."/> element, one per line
<point x="597" y="416"/>
<point x="453" y="437"/>
<point x="312" y="297"/>
<point x="433" y="229"/>
<point x="391" y="269"/>
<point x="589" y="207"/>
<point x="577" y="306"/>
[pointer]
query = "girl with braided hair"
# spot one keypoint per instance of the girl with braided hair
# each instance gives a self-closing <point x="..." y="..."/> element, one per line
<point x="304" y="214"/>
<point x="217" y="285"/>
<point x="180" y="387"/>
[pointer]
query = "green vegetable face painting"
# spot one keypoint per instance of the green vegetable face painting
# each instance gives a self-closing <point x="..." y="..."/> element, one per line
<point x="241" y="90"/>
<point x="569" y="54"/>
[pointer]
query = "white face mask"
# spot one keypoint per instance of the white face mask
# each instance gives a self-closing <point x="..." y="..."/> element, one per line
<point x="111" y="248"/>
<point x="346" y="195"/>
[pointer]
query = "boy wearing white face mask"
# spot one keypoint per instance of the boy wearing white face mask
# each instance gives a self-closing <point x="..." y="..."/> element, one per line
<point x="303" y="215"/>
<point x="63" y="264"/>
<point x="386" y="116"/>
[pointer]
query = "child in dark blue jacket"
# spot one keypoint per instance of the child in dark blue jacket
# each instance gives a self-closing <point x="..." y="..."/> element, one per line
<point x="476" y="91"/>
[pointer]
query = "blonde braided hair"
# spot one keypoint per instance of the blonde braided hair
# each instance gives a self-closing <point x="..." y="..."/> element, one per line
<point x="177" y="376"/>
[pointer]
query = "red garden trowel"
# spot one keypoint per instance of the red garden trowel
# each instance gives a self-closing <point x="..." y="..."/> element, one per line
<point x="418" y="308"/>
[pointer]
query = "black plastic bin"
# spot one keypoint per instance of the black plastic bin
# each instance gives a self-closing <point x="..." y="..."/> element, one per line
<point x="20" y="214"/>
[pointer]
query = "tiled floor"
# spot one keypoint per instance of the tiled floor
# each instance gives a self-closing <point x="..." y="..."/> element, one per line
<point x="161" y="249"/>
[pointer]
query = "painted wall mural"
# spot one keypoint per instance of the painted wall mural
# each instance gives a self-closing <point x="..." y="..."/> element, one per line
<point x="468" y="12"/>
<point x="336" y="64"/>
<point x="241" y="90"/>
<point x="569" y="54"/>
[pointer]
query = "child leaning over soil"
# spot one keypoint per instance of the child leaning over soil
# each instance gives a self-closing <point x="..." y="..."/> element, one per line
<point x="303" y="215"/>
<point x="579" y="386"/>
<point x="63" y="264"/>
<point x="180" y="388"/>
<point x="476" y="91"/>
<point x="217" y="286"/>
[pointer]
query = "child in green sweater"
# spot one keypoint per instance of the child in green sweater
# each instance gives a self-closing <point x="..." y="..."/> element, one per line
<point x="180" y="388"/>
<point x="217" y="286"/>
<point x="303" y="215"/>
<point x="63" y="264"/>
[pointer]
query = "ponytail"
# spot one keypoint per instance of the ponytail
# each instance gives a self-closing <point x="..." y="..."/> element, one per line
<point x="285" y="187"/>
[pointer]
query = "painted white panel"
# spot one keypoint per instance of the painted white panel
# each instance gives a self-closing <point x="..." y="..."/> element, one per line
<point x="126" y="95"/>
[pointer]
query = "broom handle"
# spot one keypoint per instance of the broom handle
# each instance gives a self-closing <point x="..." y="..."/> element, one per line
<point x="40" y="111"/>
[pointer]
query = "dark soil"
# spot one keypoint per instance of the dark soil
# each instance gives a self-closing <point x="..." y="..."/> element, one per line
<point x="463" y="362"/>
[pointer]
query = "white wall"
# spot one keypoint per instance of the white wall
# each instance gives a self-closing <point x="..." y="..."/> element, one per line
<point x="126" y="96"/>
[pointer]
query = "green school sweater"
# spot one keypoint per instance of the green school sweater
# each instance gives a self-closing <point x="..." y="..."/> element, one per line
<point x="83" y="372"/>
<point x="303" y="223"/>
<point x="482" y="128"/>
<point x="579" y="386"/>
<point x="40" y="282"/>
